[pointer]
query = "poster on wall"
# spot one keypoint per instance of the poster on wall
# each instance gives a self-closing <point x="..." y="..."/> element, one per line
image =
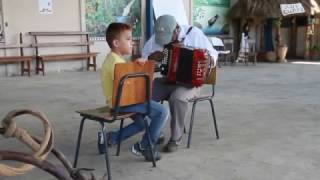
<point x="45" y="6"/>
<point x="100" y="13"/>
<point x="210" y="16"/>
<point x="160" y="8"/>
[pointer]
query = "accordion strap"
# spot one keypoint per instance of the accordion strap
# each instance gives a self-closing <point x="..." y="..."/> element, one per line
<point x="211" y="73"/>
<point x="189" y="30"/>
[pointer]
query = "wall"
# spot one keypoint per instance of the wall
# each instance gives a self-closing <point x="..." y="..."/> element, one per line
<point x="68" y="15"/>
<point x="23" y="16"/>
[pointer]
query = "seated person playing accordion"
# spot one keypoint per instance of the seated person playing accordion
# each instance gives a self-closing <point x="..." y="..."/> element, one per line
<point x="167" y="31"/>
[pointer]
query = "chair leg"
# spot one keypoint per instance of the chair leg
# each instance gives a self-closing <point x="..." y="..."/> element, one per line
<point x="232" y="60"/>
<point x="246" y="60"/>
<point x="146" y="125"/>
<point x="94" y="63"/>
<point x="219" y="64"/>
<point x="225" y="59"/>
<point x="106" y="155"/>
<point x="42" y="65"/>
<point x="22" y="68"/>
<point x="88" y="63"/>
<point x="191" y="124"/>
<point x="78" y="143"/>
<point x="29" y="68"/>
<point x="37" y="66"/>
<point x="214" y="119"/>
<point x="120" y="137"/>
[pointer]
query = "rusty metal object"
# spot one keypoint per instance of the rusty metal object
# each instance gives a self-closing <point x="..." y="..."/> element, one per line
<point x="41" y="149"/>
<point x="43" y="164"/>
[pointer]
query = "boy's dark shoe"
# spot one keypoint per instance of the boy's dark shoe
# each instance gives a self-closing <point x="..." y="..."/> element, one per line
<point x="109" y="139"/>
<point x="172" y="145"/>
<point x="161" y="139"/>
<point x="137" y="150"/>
<point x="101" y="145"/>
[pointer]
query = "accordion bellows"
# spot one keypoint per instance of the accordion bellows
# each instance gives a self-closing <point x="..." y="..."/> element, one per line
<point x="184" y="65"/>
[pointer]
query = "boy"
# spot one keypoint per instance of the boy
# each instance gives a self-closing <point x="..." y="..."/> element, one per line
<point x="119" y="39"/>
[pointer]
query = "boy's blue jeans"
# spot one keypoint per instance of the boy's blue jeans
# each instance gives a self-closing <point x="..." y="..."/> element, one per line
<point x="158" y="117"/>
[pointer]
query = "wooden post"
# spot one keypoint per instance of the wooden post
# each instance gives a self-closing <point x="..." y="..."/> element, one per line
<point x="309" y="38"/>
<point x="293" y="39"/>
<point x="278" y="37"/>
<point x="307" y="43"/>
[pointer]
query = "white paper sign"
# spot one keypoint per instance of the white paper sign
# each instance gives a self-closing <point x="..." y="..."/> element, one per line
<point x="45" y="6"/>
<point x="287" y="9"/>
<point x="171" y="7"/>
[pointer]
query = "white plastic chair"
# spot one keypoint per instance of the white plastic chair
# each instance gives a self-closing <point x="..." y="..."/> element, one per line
<point x="217" y="43"/>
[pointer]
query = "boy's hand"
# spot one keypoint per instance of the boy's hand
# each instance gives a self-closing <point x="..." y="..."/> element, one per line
<point x="157" y="56"/>
<point x="140" y="61"/>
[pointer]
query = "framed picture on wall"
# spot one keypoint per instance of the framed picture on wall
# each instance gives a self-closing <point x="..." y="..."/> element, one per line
<point x="210" y="16"/>
<point x="100" y="13"/>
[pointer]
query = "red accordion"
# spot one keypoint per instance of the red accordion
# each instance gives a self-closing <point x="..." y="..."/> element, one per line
<point x="184" y="65"/>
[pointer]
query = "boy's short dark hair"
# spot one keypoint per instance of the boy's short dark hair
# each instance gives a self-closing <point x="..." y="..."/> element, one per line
<point x="114" y="30"/>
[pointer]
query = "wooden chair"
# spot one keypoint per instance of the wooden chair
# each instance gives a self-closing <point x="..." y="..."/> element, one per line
<point x="210" y="81"/>
<point x="125" y="85"/>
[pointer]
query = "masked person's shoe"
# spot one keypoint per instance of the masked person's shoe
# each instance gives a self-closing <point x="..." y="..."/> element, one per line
<point x="172" y="145"/>
<point x="161" y="139"/>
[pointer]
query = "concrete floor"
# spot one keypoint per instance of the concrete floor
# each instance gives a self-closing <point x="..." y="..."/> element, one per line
<point x="268" y="116"/>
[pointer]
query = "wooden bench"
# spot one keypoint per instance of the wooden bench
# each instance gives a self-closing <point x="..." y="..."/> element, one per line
<point x="25" y="61"/>
<point x="82" y="41"/>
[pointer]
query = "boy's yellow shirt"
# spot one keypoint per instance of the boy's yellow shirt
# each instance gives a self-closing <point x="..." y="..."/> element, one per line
<point x="107" y="75"/>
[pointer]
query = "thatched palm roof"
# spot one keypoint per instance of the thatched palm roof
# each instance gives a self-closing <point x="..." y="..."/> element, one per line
<point x="268" y="8"/>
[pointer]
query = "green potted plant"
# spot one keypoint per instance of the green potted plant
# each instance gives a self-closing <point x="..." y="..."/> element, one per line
<point x="314" y="52"/>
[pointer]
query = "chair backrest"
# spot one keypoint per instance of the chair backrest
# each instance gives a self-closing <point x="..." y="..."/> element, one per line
<point x="217" y="43"/>
<point x="212" y="79"/>
<point x="134" y="89"/>
<point x="252" y="45"/>
<point x="229" y="44"/>
<point x="212" y="76"/>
